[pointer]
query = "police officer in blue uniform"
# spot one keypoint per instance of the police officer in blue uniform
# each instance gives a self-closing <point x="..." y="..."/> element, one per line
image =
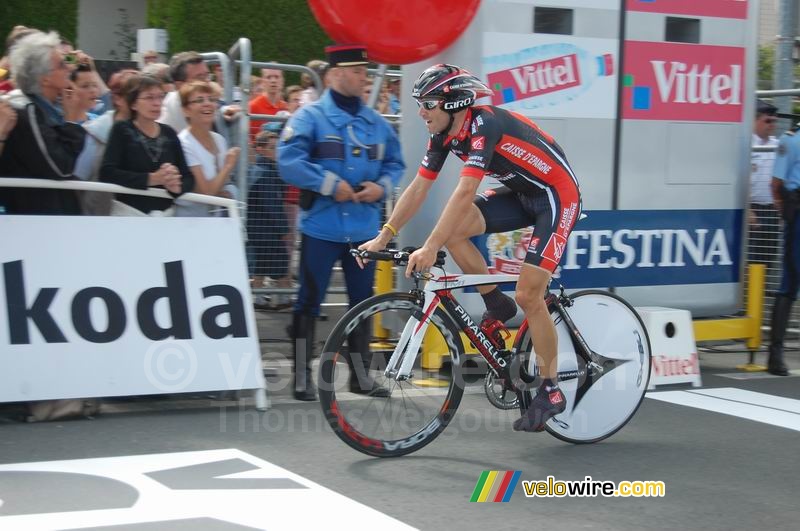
<point x="786" y="195"/>
<point x="346" y="159"/>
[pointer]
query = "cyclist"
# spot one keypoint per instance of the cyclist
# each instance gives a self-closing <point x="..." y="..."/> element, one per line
<point x="539" y="189"/>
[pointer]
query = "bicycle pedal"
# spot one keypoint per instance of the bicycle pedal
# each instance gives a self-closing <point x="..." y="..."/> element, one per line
<point x="496" y="331"/>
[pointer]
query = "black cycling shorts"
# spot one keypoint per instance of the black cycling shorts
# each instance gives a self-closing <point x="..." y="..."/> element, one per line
<point x="552" y="217"/>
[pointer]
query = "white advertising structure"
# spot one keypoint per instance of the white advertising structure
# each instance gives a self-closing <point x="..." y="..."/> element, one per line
<point x="93" y="307"/>
<point x="556" y="76"/>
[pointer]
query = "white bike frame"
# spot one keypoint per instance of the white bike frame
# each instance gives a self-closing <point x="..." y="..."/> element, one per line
<point x="405" y="353"/>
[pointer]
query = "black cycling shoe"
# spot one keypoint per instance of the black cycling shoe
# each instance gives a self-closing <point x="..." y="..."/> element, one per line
<point x="545" y="405"/>
<point x="499" y="306"/>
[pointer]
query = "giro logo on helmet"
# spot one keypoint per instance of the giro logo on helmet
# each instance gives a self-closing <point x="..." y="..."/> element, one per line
<point x="458" y="104"/>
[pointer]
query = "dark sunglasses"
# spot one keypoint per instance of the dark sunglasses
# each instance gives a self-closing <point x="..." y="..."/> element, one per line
<point x="428" y="104"/>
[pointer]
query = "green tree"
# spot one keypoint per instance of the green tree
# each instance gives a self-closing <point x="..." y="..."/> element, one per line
<point x="766" y="64"/>
<point x="284" y="31"/>
<point x="58" y="15"/>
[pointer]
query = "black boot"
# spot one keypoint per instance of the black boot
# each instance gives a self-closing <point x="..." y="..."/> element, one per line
<point x="781" y="310"/>
<point x="359" y="357"/>
<point x="303" y="347"/>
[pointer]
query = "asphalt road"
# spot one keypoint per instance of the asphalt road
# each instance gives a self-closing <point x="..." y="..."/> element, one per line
<point x="721" y="471"/>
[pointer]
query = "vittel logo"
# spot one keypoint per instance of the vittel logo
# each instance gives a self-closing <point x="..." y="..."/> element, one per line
<point x="684" y="83"/>
<point x="666" y="81"/>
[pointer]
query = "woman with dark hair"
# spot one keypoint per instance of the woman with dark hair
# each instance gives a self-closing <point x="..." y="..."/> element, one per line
<point x="98" y="132"/>
<point x="84" y="86"/>
<point x="142" y="153"/>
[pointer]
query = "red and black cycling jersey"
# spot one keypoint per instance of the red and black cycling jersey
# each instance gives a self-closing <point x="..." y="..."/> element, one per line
<point x="504" y="145"/>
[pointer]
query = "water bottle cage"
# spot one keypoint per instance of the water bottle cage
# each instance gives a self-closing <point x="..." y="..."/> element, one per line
<point x="496" y="331"/>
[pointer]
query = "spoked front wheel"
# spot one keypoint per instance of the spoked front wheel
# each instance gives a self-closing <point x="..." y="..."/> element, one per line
<point x="600" y="400"/>
<point x="420" y="405"/>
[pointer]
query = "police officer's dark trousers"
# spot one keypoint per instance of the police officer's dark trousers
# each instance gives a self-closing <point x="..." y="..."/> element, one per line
<point x="302" y="333"/>
<point x="787" y="293"/>
<point x="317" y="258"/>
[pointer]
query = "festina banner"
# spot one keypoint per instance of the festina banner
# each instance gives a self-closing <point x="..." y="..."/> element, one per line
<point x="123" y="306"/>
<point x="636" y="248"/>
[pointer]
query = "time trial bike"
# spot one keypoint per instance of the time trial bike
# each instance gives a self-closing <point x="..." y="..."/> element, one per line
<point x="417" y="342"/>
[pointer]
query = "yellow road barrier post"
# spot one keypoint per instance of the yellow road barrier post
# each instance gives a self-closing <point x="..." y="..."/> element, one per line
<point x="747" y="327"/>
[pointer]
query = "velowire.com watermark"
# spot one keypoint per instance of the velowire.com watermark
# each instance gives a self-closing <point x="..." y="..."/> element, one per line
<point x="499" y="486"/>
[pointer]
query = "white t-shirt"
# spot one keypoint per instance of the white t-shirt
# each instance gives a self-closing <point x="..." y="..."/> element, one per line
<point x="197" y="155"/>
<point x="761" y="172"/>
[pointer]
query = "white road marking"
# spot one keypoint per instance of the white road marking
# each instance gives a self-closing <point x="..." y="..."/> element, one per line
<point x="760" y="407"/>
<point x="271" y="508"/>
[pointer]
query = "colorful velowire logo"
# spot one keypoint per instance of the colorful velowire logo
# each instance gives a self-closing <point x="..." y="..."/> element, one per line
<point x="692" y="82"/>
<point x="495" y="486"/>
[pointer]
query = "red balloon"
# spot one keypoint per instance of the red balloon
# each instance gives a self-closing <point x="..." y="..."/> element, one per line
<point x="395" y="32"/>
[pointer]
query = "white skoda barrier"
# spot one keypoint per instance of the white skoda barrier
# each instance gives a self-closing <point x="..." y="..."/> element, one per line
<point x="113" y="306"/>
<point x="674" y="351"/>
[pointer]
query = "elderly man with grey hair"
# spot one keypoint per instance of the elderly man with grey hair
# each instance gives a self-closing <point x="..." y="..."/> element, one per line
<point x="46" y="140"/>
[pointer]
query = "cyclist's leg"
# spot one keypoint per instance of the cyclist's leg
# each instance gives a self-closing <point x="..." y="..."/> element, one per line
<point x="463" y="251"/>
<point x="556" y="214"/>
<point x="533" y="282"/>
<point x="496" y="210"/>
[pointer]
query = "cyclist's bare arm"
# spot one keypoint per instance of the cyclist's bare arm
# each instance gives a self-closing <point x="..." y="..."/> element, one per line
<point x="408" y="205"/>
<point x="458" y="204"/>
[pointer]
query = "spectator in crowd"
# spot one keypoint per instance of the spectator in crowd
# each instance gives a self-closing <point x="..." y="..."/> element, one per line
<point x="310" y="91"/>
<point x="186" y="67"/>
<point x="142" y="153"/>
<point x="6" y="82"/>
<point x="183" y="68"/>
<point x="74" y="58"/>
<point x="98" y="132"/>
<point x="271" y="102"/>
<point x="160" y="71"/>
<point x="266" y="222"/>
<point x="8" y="119"/>
<point x="46" y="140"/>
<point x="206" y="152"/>
<point x="293" y="94"/>
<point x="786" y="197"/>
<point x="150" y="57"/>
<point x="256" y="87"/>
<point x="86" y="90"/>
<point x="346" y="159"/>
<point x="764" y="220"/>
<point x="394" y="95"/>
<point x="382" y="103"/>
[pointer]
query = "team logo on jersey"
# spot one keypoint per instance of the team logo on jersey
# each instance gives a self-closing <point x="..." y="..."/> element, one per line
<point x="555" y="248"/>
<point x="287" y="133"/>
<point x="533" y="246"/>
<point x="478" y="142"/>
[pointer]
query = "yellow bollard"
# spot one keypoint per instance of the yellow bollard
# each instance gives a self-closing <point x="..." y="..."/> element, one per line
<point x="384" y="283"/>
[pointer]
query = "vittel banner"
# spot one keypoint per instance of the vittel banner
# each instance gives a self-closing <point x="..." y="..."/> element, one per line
<point x="636" y="248"/>
<point x="700" y="8"/>
<point x="542" y="77"/>
<point x="686" y="82"/>
<point x="124" y="306"/>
